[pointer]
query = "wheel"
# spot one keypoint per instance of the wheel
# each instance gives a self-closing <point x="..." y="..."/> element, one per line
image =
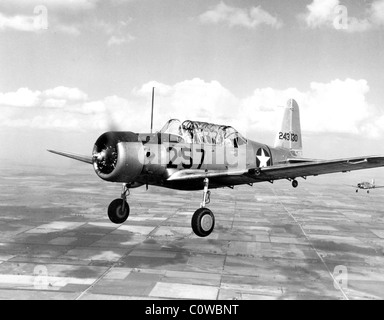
<point x="295" y="183"/>
<point x="368" y="191"/>
<point x="357" y="190"/>
<point x="203" y="222"/>
<point x="116" y="213"/>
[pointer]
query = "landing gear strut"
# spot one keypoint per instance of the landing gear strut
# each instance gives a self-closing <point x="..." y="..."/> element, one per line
<point x="203" y="220"/>
<point x="118" y="210"/>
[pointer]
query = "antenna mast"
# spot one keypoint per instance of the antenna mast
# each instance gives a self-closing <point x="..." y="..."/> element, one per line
<point x="153" y="100"/>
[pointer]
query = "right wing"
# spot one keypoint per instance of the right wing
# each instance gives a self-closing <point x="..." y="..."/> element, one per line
<point x="318" y="167"/>
<point x="77" y="157"/>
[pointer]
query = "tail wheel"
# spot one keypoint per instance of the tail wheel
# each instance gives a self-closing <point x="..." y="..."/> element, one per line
<point x="203" y="222"/>
<point x="118" y="211"/>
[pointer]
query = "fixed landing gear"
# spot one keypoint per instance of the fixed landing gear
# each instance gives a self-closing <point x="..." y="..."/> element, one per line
<point x="118" y="210"/>
<point x="295" y="183"/>
<point x="203" y="220"/>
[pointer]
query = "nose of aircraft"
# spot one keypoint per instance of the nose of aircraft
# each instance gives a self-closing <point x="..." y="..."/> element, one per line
<point x="117" y="156"/>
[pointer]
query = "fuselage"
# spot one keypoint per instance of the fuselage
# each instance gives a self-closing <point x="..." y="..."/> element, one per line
<point x="187" y="148"/>
<point x="165" y="154"/>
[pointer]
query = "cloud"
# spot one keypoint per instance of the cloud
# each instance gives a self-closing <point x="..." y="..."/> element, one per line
<point x="21" y="98"/>
<point x="248" y="18"/>
<point x="50" y="4"/>
<point x="18" y="22"/>
<point x="331" y="14"/>
<point x="339" y="106"/>
<point x="320" y="12"/>
<point x="119" y="40"/>
<point x="191" y="99"/>
<point x="71" y="30"/>
<point x="36" y="23"/>
<point x="38" y="15"/>
<point x="116" y="32"/>
<point x="377" y="13"/>
<point x="63" y="17"/>
<point x="51" y="98"/>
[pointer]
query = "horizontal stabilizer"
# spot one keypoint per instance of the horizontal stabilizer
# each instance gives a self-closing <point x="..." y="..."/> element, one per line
<point x="86" y="159"/>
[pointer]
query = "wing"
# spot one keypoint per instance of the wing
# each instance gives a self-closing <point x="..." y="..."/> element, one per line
<point x="77" y="157"/>
<point x="291" y="170"/>
<point x="318" y="167"/>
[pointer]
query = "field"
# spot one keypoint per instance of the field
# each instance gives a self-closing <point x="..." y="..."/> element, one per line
<point x="319" y="241"/>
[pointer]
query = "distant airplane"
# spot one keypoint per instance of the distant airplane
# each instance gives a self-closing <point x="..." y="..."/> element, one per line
<point x="367" y="186"/>
<point x="193" y="155"/>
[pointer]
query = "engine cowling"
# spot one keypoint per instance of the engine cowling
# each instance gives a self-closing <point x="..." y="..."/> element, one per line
<point x="118" y="156"/>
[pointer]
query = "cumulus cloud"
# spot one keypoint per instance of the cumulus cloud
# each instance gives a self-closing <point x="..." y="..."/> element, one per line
<point x="248" y="18"/>
<point x="61" y="16"/>
<point x="57" y="97"/>
<point x="320" y="12"/>
<point x="71" y="94"/>
<point x="18" y="22"/>
<point x="50" y="4"/>
<point x="339" y="106"/>
<point x="332" y="14"/>
<point x="191" y="99"/>
<point x="119" y="40"/>
<point x="377" y="13"/>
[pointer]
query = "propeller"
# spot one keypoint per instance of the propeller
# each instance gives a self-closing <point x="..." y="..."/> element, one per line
<point x="105" y="153"/>
<point x="105" y="150"/>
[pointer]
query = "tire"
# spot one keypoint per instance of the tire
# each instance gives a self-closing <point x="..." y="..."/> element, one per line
<point x="116" y="213"/>
<point x="295" y="183"/>
<point x="203" y="222"/>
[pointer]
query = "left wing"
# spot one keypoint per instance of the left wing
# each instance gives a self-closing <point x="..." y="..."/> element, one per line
<point x="301" y="168"/>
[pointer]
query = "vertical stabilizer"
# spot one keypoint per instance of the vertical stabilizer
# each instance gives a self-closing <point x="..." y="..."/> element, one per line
<point x="289" y="136"/>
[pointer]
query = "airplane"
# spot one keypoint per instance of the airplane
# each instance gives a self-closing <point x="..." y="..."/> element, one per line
<point x="367" y="186"/>
<point x="194" y="155"/>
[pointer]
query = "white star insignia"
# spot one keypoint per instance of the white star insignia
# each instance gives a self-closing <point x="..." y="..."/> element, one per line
<point x="263" y="159"/>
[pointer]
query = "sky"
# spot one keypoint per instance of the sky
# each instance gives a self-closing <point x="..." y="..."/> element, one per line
<point x="70" y="70"/>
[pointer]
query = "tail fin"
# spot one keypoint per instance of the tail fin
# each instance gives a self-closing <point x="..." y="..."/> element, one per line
<point x="289" y="137"/>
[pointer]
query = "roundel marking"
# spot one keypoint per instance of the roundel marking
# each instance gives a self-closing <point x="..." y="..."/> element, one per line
<point x="263" y="158"/>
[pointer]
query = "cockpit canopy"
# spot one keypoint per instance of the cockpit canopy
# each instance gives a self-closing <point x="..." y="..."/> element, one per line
<point x="203" y="132"/>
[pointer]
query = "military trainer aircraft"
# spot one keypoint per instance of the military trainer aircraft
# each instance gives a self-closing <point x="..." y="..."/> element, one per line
<point x="367" y="186"/>
<point x="193" y="155"/>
